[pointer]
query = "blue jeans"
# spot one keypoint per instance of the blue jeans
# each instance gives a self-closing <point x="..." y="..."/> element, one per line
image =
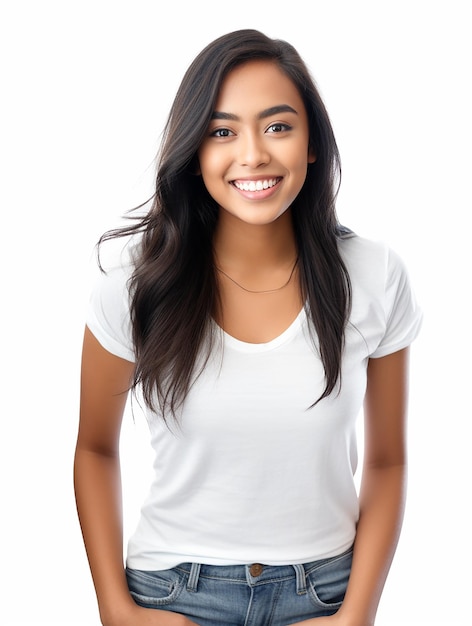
<point x="245" y="595"/>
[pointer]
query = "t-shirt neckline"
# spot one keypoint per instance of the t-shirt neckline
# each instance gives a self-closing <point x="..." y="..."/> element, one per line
<point x="286" y="335"/>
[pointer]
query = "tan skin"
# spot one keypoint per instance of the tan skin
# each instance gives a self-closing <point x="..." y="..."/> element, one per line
<point x="104" y="380"/>
<point x="254" y="244"/>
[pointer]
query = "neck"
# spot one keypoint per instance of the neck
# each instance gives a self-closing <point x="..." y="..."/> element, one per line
<point x="239" y="245"/>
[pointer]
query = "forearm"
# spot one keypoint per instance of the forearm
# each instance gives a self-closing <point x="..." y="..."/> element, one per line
<point x="98" y="496"/>
<point x="381" y="514"/>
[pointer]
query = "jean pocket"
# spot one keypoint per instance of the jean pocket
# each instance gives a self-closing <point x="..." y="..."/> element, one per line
<point x="154" y="589"/>
<point x="327" y="582"/>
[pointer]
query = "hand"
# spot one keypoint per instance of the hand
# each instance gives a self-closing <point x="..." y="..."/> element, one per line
<point x="139" y="616"/>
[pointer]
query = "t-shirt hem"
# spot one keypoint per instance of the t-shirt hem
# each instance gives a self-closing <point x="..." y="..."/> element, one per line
<point x="157" y="564"/>
<point x="114" y="347"/>
<point x="399" y="345"/>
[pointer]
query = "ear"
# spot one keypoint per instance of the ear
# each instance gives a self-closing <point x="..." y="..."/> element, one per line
<point x="311" y="155"/>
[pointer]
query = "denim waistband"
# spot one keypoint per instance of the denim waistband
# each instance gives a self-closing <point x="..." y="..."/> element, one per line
<point x="253" y="574"/>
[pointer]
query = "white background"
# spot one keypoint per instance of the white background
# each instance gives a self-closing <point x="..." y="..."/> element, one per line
<point x="85" y="90"/>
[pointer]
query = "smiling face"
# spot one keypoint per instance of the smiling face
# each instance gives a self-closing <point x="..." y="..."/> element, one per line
<point x="254" y="157"/>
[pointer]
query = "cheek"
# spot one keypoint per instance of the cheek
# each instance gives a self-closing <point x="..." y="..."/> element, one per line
<point x="295" y="157"/>
<point x="298" y="162"/>
<point x="210" y="162"/>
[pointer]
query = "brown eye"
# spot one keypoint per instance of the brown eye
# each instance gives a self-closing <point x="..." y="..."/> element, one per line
<point x="278" y="128"/>
<point x="221" y="132"/>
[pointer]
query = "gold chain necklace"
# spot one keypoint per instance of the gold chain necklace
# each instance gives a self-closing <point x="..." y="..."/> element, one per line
<point x="263" y="290"/>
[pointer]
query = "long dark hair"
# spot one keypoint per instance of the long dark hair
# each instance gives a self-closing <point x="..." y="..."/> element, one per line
<point x="174" y="291"/>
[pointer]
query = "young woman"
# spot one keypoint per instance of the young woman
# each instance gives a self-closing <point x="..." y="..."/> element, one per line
<point x="254" y="327"/>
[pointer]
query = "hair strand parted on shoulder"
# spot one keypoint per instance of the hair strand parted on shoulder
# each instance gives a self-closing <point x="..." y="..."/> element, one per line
<point x="174" y="292"/>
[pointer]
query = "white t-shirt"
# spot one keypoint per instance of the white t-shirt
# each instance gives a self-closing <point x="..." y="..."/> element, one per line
<point x="252" y="474"/>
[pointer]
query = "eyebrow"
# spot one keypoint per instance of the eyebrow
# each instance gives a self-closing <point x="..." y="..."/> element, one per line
<point x="279" y="108"/>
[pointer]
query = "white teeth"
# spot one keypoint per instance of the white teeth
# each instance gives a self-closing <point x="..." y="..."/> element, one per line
<point x="258" y="185"/>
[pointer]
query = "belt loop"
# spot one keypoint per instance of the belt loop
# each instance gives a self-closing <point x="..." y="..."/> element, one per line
<point x="301" y="579"/>
<point x="193" y="577"/>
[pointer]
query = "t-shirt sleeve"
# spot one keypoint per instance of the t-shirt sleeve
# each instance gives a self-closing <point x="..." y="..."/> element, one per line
<point x="403" y="316"/>
<point x="108" y="316"/>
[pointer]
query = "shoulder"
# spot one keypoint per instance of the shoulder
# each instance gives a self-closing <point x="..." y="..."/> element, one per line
<point x="358" y="251"/>
<point x="384" y="306"/>
<point x="371" y="263"/>
<point x="114" y="282"/>
<point x="108" y="314"/>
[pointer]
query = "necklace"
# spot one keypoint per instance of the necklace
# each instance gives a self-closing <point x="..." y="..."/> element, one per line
<point x="263" y="290"/>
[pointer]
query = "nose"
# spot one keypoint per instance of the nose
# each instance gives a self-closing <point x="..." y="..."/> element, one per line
<point x="252" y="150"/>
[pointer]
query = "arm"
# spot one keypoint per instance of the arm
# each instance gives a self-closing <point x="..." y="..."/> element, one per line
<point x="382" y="494"/>
<point x="105" y="380"/>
